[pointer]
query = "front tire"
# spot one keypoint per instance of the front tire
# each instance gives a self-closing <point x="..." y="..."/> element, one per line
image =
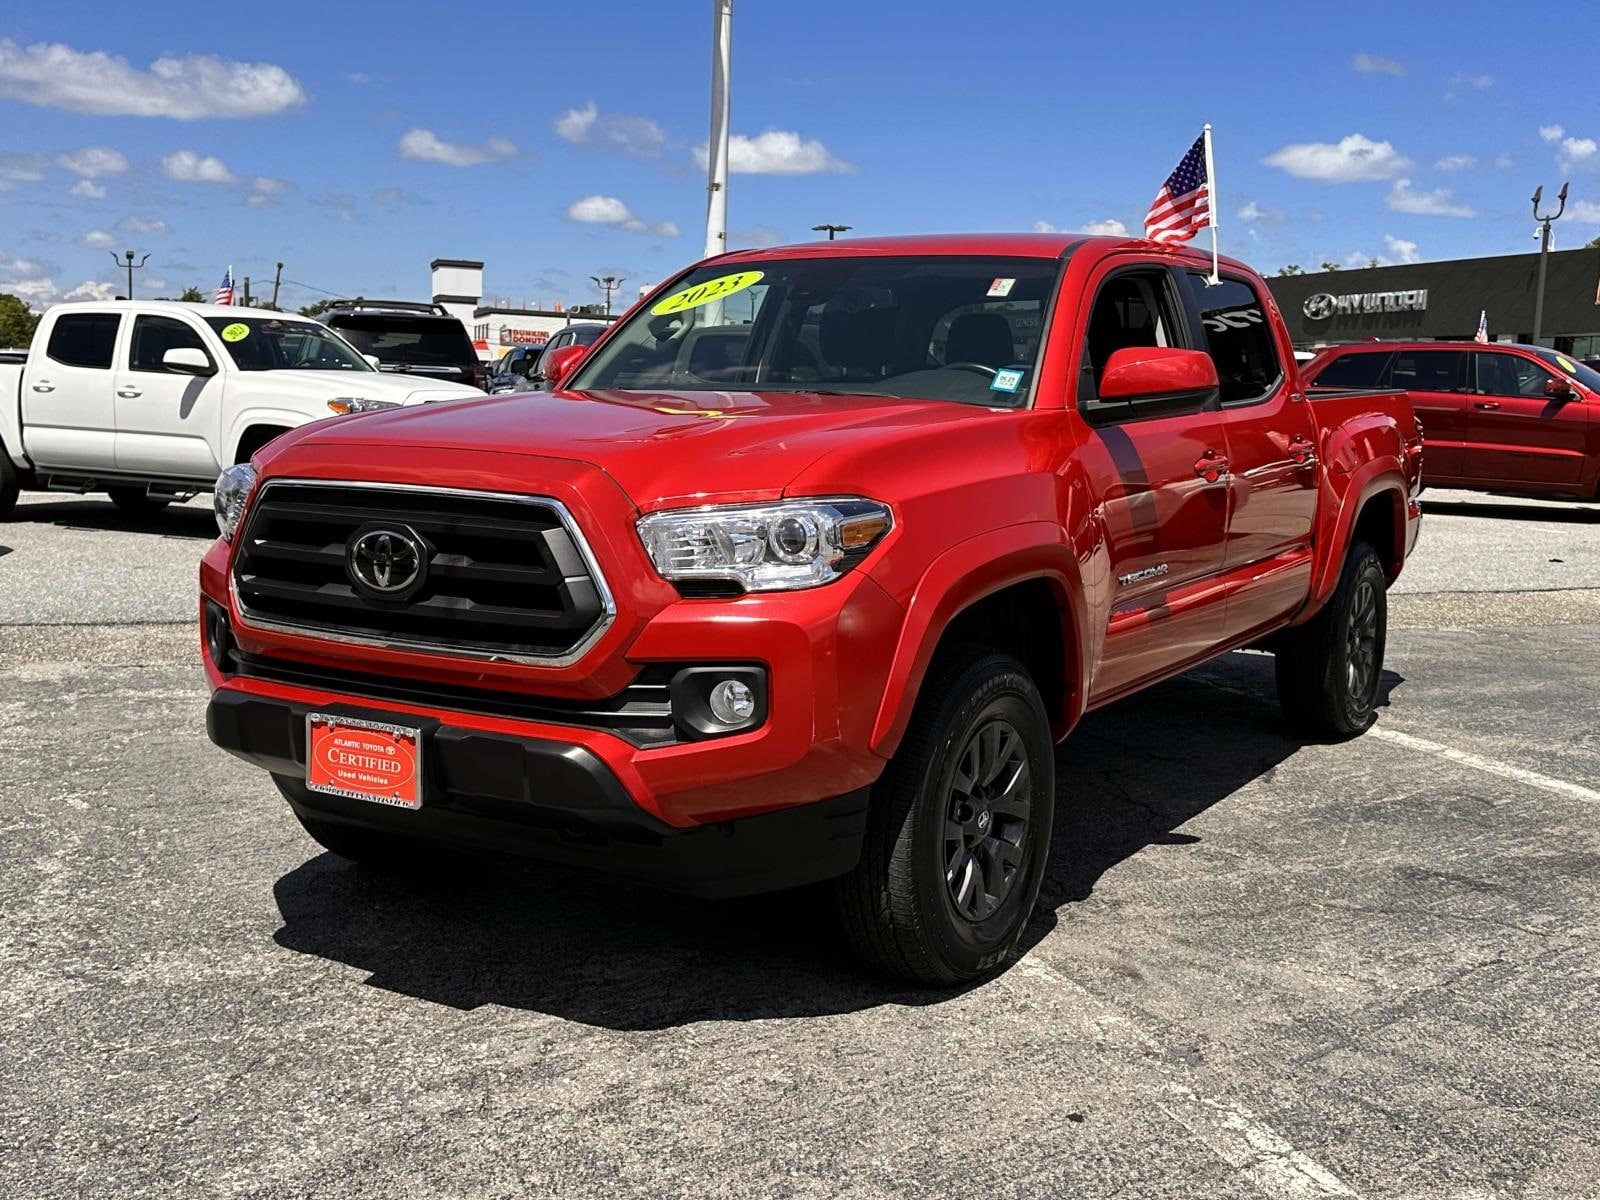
<point x="135" y="501"/>
<point x="367" y="847"/>
<point x="10" y="485"/>
<point x="1329" y="669"/>
<point x="959" y="833"/>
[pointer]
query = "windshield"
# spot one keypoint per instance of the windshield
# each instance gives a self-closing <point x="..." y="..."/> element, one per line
<point x="933" y="328"/>
<point x="1588" y="376"/>
<point x="274" y="344"/>
<point x="420" y="341"/>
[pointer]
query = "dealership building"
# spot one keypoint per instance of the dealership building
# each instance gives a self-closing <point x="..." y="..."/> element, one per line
<point x="1442" y="301"/>
<point x="457" y="285"/>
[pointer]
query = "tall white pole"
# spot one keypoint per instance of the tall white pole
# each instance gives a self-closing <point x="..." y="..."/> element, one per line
<point x="717" y="147"/>
<point x="1215" y="202"/>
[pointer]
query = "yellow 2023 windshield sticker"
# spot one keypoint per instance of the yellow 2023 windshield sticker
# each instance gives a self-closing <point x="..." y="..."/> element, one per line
<point x="705" y="293"/>
<point x="236" y="332"/>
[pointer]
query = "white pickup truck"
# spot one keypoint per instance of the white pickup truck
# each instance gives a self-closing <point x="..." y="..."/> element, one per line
<point x="149" y="400"/>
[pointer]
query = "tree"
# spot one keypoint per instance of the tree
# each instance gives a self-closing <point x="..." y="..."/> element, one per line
<point x="1594" y="245"/>
<point x="1290" y="269"/>
<point x="1373" y="262"/>
<point x="1328" y="266"/>
<point x="193" y="295"/>
<point x="316" y="308"/>
<point x="16" y="322"/>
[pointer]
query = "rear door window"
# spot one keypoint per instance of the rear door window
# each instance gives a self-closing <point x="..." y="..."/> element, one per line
<point x="1429" y="370"/>
<point x="1239" y="337"/>
<point x="1354" y="370"/>
<point x="84" y="339"/>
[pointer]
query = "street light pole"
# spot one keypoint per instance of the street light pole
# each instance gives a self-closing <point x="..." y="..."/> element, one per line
<point x="1544" y="254"/>
<point x="608" y="284"/>
<point x="127" y="261"/>
<point x="717" y="147"/>
<point x="830" y="230"/>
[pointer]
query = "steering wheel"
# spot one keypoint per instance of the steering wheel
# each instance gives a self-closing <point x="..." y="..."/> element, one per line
<point x="979" y="368"/>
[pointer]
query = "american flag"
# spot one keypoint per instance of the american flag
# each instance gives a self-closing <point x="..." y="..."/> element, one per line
<point x="1183" y="205"/>
<point x="1483" y="326"/>
<point x="225" y="288"/>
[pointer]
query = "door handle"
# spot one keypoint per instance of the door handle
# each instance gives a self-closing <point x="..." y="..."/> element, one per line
<point x="1211" y="467"/>
<point x="43" y="386"/>
<point x="129" y="393"/>
<point x="1486" y="405"/>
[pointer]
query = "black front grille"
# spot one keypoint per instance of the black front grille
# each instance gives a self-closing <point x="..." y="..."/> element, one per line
<point x="503" y="577"/>
<point x="641" y="713"/>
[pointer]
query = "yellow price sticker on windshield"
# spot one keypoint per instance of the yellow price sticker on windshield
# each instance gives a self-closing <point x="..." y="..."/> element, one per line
<point x="705" y="293"/>
<point x="1566" y="365"/>
<point x="237" y="332"/>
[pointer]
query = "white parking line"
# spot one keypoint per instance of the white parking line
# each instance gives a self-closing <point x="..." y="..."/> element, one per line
<point x="1230" y="1131"/>
<point x="1559" y="787"/>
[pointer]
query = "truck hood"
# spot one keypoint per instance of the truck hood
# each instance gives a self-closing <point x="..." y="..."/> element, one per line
<point x="660" y="447"/>
<point x="375" y="385"/>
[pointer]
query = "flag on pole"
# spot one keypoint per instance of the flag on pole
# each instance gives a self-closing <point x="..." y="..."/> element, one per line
<point x="225" y="288"/>
<point x="1483" y="326"/>
<point x="1183" y="205"/>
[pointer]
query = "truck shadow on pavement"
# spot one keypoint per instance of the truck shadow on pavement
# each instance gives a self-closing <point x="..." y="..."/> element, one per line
<point x="615" y="955"/>
<point x="179" y="520"/>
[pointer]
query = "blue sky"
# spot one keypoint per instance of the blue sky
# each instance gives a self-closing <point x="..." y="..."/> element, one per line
<point x="358" y="141"/>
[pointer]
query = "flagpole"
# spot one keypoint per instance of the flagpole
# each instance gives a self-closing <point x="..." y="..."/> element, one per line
<point x="1211" y="184"/>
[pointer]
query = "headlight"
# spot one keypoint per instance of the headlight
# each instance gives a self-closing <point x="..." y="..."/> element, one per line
<point x="765" y="547"/>
<point x="233" y="489"/>
<point x="354" y="404"/>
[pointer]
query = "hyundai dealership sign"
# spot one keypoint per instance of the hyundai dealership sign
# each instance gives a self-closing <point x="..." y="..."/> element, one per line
<point x="1322" y="305"/>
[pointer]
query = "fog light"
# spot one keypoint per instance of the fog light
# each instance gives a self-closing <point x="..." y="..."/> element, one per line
<point x="732" y="702"/>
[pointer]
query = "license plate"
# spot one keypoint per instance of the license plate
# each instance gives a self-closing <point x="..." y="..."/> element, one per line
<point x="364" y="760"/>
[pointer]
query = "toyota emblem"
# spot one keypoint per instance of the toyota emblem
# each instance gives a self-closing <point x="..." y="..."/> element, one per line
<point x="386" y="561"/>
<point x="1319" y="306"/>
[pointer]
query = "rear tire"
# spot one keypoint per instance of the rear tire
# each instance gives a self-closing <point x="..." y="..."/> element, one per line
<point x="135" y="501"/>
<point x="959" y="833"/>
<point x="1329" y="670"/>
<point x="10" y="485"/>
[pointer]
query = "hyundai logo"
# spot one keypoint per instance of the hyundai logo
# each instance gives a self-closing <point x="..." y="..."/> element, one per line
<point x="1319" y="306"/>
<point x="386" y="562"/>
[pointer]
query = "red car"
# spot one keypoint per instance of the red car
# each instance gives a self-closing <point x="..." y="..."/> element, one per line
<point x="1520" y="420"/>
<point x="801" y="571"/>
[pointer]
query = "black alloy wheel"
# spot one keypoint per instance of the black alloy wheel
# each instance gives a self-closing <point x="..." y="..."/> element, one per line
<point x="986" y="825"/>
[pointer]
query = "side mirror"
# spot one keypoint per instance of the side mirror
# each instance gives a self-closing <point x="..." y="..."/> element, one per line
<point x="186" y="360"/>
<point x="373" y="361"/>
<point x="1560" y="389"/>
<point x="1147" y="372"/>
<point x="558" y="366"/>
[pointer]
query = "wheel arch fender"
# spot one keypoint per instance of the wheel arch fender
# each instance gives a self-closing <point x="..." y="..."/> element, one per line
<point x="1378" y="480"/>
<point x="965" y="575"/>
<point x="259" y="417"/>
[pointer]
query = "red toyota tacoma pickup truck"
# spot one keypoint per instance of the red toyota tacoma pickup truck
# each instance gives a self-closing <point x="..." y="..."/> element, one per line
<point x="801" y="571"/>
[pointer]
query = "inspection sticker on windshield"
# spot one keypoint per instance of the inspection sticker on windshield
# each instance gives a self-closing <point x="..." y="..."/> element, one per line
<point x="1002" y="287"/>
<point x="236" y="332"/>
<point x="1007" y="379"/>
<point x="705" y="293"/>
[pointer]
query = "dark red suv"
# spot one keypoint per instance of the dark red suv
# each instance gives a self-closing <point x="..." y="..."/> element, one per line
<point x="1523" y="420"/>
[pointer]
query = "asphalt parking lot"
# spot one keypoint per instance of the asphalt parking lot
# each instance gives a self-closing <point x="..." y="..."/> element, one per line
<point x="1259" y="967"/>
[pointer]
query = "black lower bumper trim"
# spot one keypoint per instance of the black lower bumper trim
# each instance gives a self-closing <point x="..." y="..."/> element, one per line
<point x="549" y="800"/>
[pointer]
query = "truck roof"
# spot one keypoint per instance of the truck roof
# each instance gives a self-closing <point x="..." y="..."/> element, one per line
<point x="1020" y="245"/>
<point x="172" y="306"/>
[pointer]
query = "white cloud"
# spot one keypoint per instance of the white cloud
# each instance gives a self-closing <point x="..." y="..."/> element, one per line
<point x="1585" y="212"/>
<point x="756" y="237"/>
<point x="90" y="290"/>
<point x="1353" y="159"/>
<point x="1456" y="162"/>
<point x="90" y="189"/>
<point x="145" y="225"/>
<point x="266" y="183"/>
<point x="186" y="166"/>
<point x="1046" y="227"/>
<point x="777" y="152"/>
<point x="256" y="200"/>
<point x="1551" y="133"/>
<point x="97" y="239"/>
<point x="20" y="168"/>
<point x="1503" y="160"/>
<point x="1576" y="150"/>
<point x="1253" y="212"/>
<point x="57" y="76"/>
<point x="587" y="126"/>
<point x="608" y="210"/>
<point x="1369" y="64"/>
<point x="93" y="161"/>
<point x="1110" y="227"/>
<point x="422" y="145"/>
<point x="1436" y="203"/>
<point x="1401" y="250"/>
